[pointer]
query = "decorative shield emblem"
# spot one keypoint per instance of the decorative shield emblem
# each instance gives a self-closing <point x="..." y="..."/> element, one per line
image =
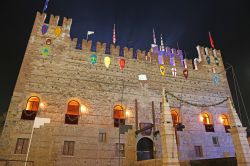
<point x="185" y="73"/>
<point x="58" y="31"/>
<point x="45" y="51"/>
<point x="45" y="29"/>
<point x="93" y="59"/>
<point x="208" y="60"/>
<point x="148" y="131"/>
<point x="216" y="61"/>
<point x="107" y="61"/>
<point x="162" y="70"/>
<point x="213" y="70"/>
<point x="174" y="72"/>
<point x="216" y="79"/>
<point x="122" y="64"/>
<point x="48" y="41"/>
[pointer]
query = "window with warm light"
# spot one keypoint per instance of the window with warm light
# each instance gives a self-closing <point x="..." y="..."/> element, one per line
<point x="206" y="120"/>
<point x="31" y="109"/>
<point x="119" y="116"/>
<point x="72" y="115"/>
<point x="224" y="120"/>
<point x="175" y="117"/>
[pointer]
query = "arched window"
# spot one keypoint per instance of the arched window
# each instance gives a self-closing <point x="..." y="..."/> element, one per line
<point x="31" y="109"/>
<point x="72" y="115"/>
<point x="206" y="119"/>
<point x="225" y="122"/>
<point x="175" y="117"/>
<point x="119" y="115"/>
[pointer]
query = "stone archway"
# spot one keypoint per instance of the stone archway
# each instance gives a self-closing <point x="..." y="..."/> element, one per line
<point x="145" y="148"/>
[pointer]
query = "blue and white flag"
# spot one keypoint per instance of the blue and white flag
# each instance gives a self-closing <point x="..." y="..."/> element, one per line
<point x="45" y="5"/>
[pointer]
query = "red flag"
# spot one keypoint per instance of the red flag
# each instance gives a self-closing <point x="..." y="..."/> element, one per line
<point x="211" y="40"/>
<point x="114" y="37"/>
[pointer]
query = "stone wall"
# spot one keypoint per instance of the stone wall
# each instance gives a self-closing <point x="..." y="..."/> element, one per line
<point x="66" y="74"/>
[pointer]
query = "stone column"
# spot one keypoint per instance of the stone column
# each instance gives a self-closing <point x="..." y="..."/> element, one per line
<point x="168" y="137"/>
<point x="239" y="137"/>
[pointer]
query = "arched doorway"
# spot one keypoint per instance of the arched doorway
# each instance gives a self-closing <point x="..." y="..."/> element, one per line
<point x="145" y="149"/>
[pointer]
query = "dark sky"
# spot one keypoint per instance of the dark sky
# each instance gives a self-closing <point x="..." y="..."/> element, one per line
<point x="184" y="21"/>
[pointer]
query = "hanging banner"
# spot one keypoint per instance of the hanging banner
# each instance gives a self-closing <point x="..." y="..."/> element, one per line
<point x="174" y="72"/>
<point x="122" y="64"/>
<point x="208" y="60"/>
<point x="107" y="61"/>
<point x="216" y="79"/>
<point x="185" y="73"/>
<point x="93" y="59"/>
<point x="216" y="61"/>
<point x="162" y="70"/>
<point x="58" y="31"/>
<point x="48" y="41"/>
<point x="45" y="51"/>
<point x="45" y="29"/>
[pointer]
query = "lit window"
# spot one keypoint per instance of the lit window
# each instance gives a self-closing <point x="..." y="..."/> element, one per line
<point x="206" y="119"/>
<point x="68" y="148"/>
<point x="224" y="120"/>
<point x="198" y="151"/>
<point x="175" y="117"/>
<point x="22" y="146"/>
<point x="119" y="116"/>
<point x="32" y="107"/>
<point x="209" y="127"/>
<point x="72" y="115"/>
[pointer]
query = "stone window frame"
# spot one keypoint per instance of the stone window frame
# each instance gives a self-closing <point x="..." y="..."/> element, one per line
<point x="122" y="149"/>
<point x="102" y="136"/>
<point x="198" y="151"/>
<point x="215" y="140"/>
<point x="68" y="148"/>
<point x="22" y="145"/>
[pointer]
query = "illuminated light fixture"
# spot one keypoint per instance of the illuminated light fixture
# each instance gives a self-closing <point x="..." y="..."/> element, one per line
<point x="58" y="31"/>
<point x="221" y="120"/>
<point x="107" y="61"/>
<point x="83" y="109"/>
<point x="185" y="73"/>
<point x="42" y="105"/>
<point x="142" y="77"/>
<point x="122" y="64"/>
<point x="127" y="114"/>
<point x="93" y="59"/>
<point x="201" y="118"/>
<point x="45" y="29"/>
<point x="162" y="70"/>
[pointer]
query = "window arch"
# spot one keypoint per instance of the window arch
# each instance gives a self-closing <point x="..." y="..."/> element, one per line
<point x="32" y="106"/>
<point x="73" y="107"/>
<point x="206" y="118"/>
<point x="175" y="117"/>
<point x="225" y="121"/>
<point x="33" y="103"/>
<point x="118" y="115"/>
<point x="207" y="121"/>
<point x="73" y="112"/>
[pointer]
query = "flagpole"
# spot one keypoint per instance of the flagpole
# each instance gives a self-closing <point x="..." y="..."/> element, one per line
<point x="31" y="135"/>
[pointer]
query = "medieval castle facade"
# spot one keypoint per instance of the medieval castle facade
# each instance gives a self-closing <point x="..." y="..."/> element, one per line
<point x="169" y="111"/>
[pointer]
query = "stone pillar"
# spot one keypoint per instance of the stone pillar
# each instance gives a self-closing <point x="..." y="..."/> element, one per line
<point x="239" y="137"/>
<point x="168" y="137"/>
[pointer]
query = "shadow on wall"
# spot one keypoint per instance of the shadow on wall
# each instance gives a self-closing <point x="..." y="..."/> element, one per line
<point x="2" y="120"/>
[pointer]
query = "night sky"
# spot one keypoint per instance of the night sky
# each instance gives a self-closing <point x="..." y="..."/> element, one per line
<point x="184" y="21"/>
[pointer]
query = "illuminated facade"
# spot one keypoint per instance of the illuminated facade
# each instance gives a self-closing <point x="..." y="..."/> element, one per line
<point x="88" y="94"/>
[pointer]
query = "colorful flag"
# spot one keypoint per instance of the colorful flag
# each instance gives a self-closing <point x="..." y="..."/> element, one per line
<point x="89" y="33"/>
<point x="154" y="38"/>
<point x="114" y="37"/>
<point x="45" y="5"/>
<point x="211" y="40"/>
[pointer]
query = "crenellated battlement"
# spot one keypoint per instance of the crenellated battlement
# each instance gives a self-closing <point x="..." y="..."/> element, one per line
<point x="208" y="59"/>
